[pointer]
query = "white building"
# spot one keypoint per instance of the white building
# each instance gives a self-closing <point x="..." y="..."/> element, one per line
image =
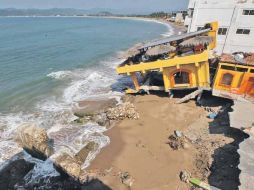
<point x="236" y="22"/>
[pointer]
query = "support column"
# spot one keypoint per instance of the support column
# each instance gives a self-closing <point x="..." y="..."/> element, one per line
<point x="135" y="81"/>
<point x="166" y="79"/>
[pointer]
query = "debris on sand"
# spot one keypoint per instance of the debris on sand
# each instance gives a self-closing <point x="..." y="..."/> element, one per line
<point x="122" y="111"/>
<point x="126" y="179"/>
<point x="177" y="141"/>
<point x="185" y="176"/>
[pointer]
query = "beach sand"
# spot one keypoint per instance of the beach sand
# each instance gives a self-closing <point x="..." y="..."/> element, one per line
<point x="140" y="147"/>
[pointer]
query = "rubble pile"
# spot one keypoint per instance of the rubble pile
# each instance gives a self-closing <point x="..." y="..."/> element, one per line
<point x="245" y="58"/>
<point x="177" y="141"/>
<point x="125" y="110"/>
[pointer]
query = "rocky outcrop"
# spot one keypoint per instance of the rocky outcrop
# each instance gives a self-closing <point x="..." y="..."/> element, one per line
<point x="14" y="171"/>
<point x="125" y="110"/>
<point x="94" y="111"/>
<point x="34" y="140"/>
<point x="71" y="164"/>
<point x="92" y="107"/>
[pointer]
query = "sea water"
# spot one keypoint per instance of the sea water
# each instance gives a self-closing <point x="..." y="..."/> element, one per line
<point x="49" y="64"/>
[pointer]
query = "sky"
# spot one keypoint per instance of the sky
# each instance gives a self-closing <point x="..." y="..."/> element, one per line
<point x="118" y="5"/>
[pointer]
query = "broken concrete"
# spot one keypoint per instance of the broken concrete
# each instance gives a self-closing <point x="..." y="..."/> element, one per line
<point x="242" y="118"/>
<point x="70" y="164"/>
<point x="125" y="110"/>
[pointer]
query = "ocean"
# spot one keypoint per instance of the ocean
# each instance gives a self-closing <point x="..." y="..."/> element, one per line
<point x="47" y="64"/>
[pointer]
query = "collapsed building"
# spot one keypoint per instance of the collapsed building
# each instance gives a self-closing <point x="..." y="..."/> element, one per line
<point x="186" y="62"/>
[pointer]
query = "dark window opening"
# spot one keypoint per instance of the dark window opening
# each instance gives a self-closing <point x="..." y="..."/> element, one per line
<point x="227" y="67"/>
<point x="222" y="31"/>
<point x="243" y="31"/>
<point x="252" y="70"/>
<point x="251" y="79"/>
<point x="200" y="28"/>
<point x="248" y="12"/>
<point x="227" y="79"/>
<point x="240" y="69"/>
<point x="182" y="78"/>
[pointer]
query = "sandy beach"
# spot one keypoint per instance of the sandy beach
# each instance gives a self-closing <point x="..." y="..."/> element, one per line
<point x="140" y="147"/>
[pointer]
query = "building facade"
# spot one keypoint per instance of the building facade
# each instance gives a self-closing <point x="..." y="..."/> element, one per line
<point x="235" y="18"/>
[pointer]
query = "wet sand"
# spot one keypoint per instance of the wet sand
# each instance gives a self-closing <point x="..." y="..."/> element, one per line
<point x="140" y="147"/>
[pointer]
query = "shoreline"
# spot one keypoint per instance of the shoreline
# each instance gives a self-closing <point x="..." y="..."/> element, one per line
<point x="170" y="27"/>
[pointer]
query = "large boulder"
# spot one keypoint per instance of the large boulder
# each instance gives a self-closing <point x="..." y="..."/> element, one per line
<point x="34" y="140"/>
<point x="70" y="164"/>
<point x="92" y="107"/>
<point x="13" y="171"/>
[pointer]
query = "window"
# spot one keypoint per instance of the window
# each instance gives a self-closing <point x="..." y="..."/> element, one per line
<point x="243" y="31"/>
<point x="227" y="79"/>
<point x="252" y="70"/>
<point x="239" y="69"/>
<point x="248" y="12"/>
<point x="227" y="67"/>
<point x="182" y="77"/>
<point x="222" y="31"/>
<point x="200" y="28"/>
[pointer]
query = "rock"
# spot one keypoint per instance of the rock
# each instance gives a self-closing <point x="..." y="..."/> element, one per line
<point x="176" y="142"/>
<point x="101" y="119"/>
<point x="185" y="176"/>
<point x="83" y="153"/>
<point x="81" y="120"/>
<point x="178" y="133"/>
<point x="126" y="179"/>
<point x="65" y="163"/>
<point x="125" y="110"/>
<point x="71" y="165"/>
<point x="14" y="172"/>
<point x="34" y="140"/>
<point x="93" y="107"/>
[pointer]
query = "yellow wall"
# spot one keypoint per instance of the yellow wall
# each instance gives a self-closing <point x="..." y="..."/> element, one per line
<point x="239" y="79"/>
<point x="199" y="75"/>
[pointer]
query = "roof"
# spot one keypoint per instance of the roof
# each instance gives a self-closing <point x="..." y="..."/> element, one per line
<point x="247" y="60"/>
<point x="173" y="38"/>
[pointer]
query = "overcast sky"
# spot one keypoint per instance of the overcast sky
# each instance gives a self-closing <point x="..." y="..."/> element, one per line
<point x="122" y="5"/>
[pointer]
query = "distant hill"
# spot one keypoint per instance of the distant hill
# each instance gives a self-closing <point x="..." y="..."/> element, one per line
<point x="52" y="12"/>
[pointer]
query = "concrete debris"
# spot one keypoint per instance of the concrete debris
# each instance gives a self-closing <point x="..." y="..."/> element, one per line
<point x="242" y="118"/>
<point x="178" y="133"/>
<point x="71" y="164"/>
<point x="126" y="179"/>
<point x="34" y="140"/>
<point x="190" y="96"/>
<point x="247" y="58"/>
<point x="177" y="143"/>
<point x="65" y="163"/>
<point x="125" y="110"/>
<point x="185" y="176"/>
<point x="242" y="115"/>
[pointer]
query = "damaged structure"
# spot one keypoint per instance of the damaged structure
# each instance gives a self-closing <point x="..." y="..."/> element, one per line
<point x="185" y="62"/>
<point x="177" y="64"/>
